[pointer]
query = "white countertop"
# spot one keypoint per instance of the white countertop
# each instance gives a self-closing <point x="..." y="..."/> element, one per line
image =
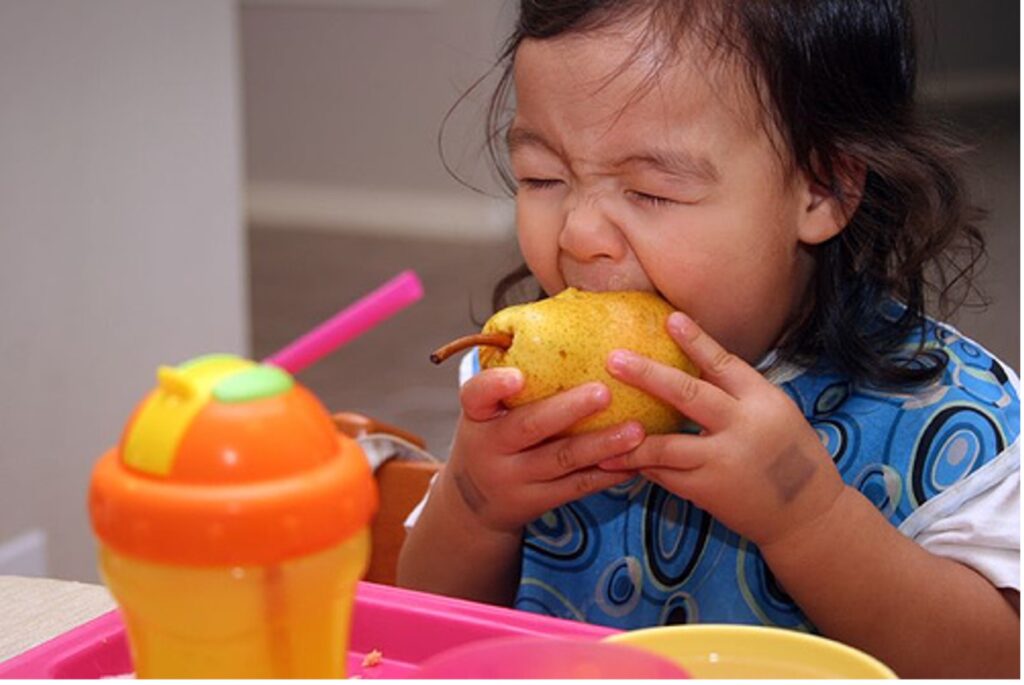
<point x="34" y="610"/>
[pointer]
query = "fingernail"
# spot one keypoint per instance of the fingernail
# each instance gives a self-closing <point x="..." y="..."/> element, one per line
<point x="631" y="433"/>
<point x="619" y="360"/>
<point x="512" y="378"/>
<point x="599" y="392"/>
<point x="680" y="323"/>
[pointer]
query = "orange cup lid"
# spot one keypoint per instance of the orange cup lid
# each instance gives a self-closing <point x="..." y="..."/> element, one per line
<point x="228" y="462"/>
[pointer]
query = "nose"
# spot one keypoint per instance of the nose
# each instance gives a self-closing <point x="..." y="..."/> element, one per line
<point x="589" y="232"/>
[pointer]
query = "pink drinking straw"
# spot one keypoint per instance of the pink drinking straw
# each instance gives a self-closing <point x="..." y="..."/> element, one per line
<point x="349" y="323"/>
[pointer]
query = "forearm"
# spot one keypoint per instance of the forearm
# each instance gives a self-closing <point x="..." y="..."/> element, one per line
<point x="448" y="553"/>
<point x="863" y="583"/>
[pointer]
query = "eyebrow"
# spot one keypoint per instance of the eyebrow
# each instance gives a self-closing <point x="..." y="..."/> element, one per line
<point x="667" y="161"/>
<point x="517" y="138"/>
<point x="672" y="163"/>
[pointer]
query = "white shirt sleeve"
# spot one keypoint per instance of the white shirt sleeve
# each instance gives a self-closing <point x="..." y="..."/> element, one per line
<point x="979" y="524"/>
<point x="977" y="521"/>
<point x="414" y="515"/>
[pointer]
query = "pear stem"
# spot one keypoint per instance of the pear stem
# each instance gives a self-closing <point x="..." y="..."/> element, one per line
<point x="502" y="340"/>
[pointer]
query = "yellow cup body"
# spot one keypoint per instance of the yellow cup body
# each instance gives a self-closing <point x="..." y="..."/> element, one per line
<point x="286" y="620"/>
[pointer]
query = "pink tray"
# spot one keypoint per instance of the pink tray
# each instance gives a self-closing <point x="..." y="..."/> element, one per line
<point x="407" y="627"/>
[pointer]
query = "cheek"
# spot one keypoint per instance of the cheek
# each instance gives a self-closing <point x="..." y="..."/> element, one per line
<point x="537" y="230"/>
<point x="724" y="268"/>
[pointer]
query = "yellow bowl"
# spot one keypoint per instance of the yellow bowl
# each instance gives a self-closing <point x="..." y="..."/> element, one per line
<point x="737" y="651"/>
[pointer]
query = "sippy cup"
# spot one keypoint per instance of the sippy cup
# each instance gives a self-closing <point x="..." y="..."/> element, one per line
<point x="233" y="526"/>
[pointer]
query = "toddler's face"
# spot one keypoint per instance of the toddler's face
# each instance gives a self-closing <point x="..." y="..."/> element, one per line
<point x="675" y="188"/>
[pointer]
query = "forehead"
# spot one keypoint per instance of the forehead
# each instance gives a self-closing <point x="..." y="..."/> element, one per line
<point x="601" y="85"/>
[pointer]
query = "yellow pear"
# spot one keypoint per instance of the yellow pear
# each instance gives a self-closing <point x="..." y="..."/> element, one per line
<point x="564" y="341"/>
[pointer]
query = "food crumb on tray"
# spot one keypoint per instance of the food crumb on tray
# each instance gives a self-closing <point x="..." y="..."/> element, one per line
<point x="373" y="658"/>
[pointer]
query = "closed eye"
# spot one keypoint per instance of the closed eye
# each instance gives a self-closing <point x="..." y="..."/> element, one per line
<point x="539" y="183"/>
<point x="653" y="200"/>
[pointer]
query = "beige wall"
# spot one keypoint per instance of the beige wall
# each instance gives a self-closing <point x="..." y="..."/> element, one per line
<point x="343" y="95"/>
<point x="343" y="104"/>
<point x="121" y="244"/>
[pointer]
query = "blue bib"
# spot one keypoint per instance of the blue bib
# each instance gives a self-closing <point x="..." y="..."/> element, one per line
<point x="636" y="555"/>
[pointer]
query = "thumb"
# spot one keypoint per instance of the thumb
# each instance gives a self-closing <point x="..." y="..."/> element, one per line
<point x="481" y="396"/>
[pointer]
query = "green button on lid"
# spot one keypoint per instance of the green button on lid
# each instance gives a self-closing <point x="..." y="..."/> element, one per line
<point x="253" y="384"/>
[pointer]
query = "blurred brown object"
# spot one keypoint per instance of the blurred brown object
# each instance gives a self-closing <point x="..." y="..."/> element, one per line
<point x="402" y="484"/>
<point x="357" y="425"/>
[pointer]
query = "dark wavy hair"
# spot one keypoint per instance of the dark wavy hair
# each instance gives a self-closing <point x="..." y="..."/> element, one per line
<point x="836" y="80"/>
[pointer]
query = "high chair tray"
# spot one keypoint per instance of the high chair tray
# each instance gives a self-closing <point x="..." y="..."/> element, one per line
<point x="406" y="627"/>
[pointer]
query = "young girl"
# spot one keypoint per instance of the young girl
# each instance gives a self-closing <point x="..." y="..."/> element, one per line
<point x="760" y="165"/>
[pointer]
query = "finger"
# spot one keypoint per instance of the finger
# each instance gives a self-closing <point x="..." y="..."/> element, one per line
<point x="481" y="396"/>
<point x="699" y="400"/>
<point x="670" y="452"/>
<point x="696" y="485"/>
<point x="565" y="455"/>
<point x="578" y="484"/>
<point x="716" y="364"/>
<point x="537" y="421"/>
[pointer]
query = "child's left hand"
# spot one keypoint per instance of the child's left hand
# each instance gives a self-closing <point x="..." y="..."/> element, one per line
<point x="757" y="465"/>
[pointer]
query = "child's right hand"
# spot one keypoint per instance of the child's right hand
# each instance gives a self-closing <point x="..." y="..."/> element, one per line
<point x="507" y="465"/>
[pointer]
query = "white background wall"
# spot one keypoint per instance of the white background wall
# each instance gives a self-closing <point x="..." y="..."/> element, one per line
<point x="121" y="242"/>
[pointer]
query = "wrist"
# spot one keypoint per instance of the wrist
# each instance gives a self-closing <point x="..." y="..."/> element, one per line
<point x="814" y="534"/>
<point x="466" y="505"/>
<point x="451" y="552"/>
<point x="815" y="542"/>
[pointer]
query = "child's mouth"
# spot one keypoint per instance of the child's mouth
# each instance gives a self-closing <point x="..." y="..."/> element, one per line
<point x="611" y="285"/>
<point x="609" y="282"/>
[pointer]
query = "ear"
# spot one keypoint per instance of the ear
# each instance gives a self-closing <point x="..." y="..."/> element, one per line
<point x="824" y="214"/>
